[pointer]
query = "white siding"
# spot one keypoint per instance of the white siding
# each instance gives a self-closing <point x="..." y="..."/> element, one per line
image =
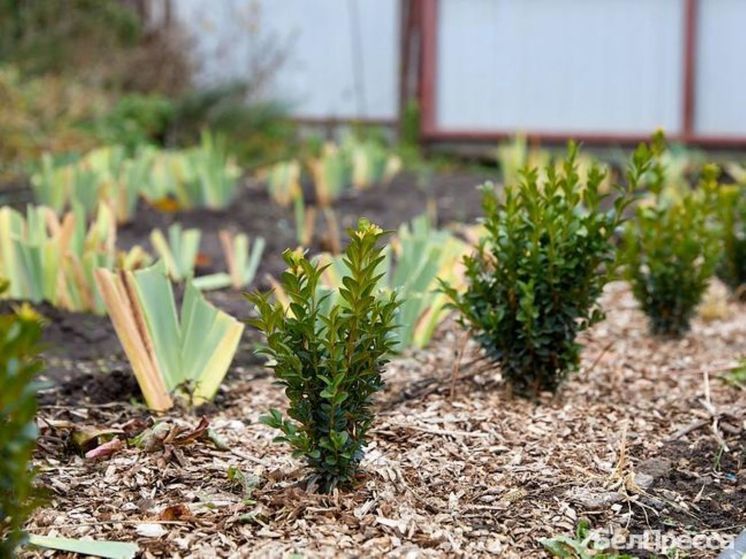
<point x="324" y="73"/>
<point x="560" y="65"/>
<point x="720" y="98"/>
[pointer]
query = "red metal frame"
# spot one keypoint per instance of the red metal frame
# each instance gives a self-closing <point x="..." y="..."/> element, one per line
<point x="688" y="134"/>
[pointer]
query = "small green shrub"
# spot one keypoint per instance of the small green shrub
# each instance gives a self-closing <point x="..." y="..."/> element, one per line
<point x="19" y="337"/>
<point x="329" y="362"/>
<point x="136" y="119"/>
<point x="732" y="214"/>
<point x="535" y="278"/>
<point x="671" y="250"/>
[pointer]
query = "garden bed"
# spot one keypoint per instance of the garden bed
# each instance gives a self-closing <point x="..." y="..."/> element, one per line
<point x="456" y="465"/>
<point x="79" y="346"/>
<point x="453" y="469"/>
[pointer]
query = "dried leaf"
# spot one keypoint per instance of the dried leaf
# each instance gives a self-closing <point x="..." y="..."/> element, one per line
<point x="105" y="450"/>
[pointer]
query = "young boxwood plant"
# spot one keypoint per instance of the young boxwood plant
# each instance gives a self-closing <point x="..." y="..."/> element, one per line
<point x="732" y="215"/>
<point x="329" y="362"/>
<point x="19" y="337"/>
<point x="671" y="250"/>
<point x="534" y="280"/>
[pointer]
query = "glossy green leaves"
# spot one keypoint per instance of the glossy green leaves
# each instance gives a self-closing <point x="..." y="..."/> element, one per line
<point x="19" y="337"/>
<point x="671" y="250"/>
<point x="534" y="281"/>
<point x="329" y="358"/>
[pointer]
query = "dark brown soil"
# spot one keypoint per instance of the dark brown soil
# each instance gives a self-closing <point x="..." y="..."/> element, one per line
<point x="455" y="195"/>
<point x="698" y="489"/>
<point x="703" y="474"/>
<point x="84" y="360"/>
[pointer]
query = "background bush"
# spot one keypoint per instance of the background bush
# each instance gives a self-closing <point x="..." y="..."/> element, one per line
<point x="257" y="131"/>
<point x="101" y="43"/>
<point x="732" y="214"/>
<point x="135" y="120"/>
<point x="39" y="114"/>
<point x="80" y="73"/>
<point x="671" y="250"/>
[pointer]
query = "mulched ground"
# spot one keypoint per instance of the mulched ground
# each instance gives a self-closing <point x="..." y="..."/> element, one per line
<point x="453" y="469"/>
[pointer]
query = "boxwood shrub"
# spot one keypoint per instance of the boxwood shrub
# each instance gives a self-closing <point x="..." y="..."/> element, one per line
<point x="534" y="281"/>
<point x="732" y="214"/>
<point x="329" y="358"/>
<point x="671" y="250"/>
<point x="19" y="337"/>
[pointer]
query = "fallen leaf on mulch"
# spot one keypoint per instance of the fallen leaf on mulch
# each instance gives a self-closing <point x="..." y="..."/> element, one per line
<point x="105" y="450"/>
<point x="191" y="436"/>
<point x="175" y="512"/>
<point x="151" y="530"/>
<point x="87" y="438"/>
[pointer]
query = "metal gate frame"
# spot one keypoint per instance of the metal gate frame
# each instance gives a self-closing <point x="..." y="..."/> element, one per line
<point x="423" y="21"/>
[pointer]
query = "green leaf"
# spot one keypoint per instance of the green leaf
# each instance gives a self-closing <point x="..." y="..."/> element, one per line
<point x="155" y="298"/>
<point x="210" y="282"/>
<point x="108" y="549"/>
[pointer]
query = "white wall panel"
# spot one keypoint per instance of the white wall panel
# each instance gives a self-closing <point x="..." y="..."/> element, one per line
<point x="326" y="73"/>
<point x="720" y="98"/>
<point x="560" y="65"/>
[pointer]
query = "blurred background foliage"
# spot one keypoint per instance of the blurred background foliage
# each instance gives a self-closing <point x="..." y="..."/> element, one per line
<point x="82" y="37"/>
<point x="78" y="73"/>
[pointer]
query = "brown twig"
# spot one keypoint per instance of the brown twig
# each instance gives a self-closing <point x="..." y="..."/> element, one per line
<point x="598" y="358"/>
<point x="457" y="362"/>
<point x="712" y="410"/>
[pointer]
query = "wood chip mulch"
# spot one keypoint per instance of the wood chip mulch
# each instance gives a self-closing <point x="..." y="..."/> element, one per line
<point x="648" y="435"/>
